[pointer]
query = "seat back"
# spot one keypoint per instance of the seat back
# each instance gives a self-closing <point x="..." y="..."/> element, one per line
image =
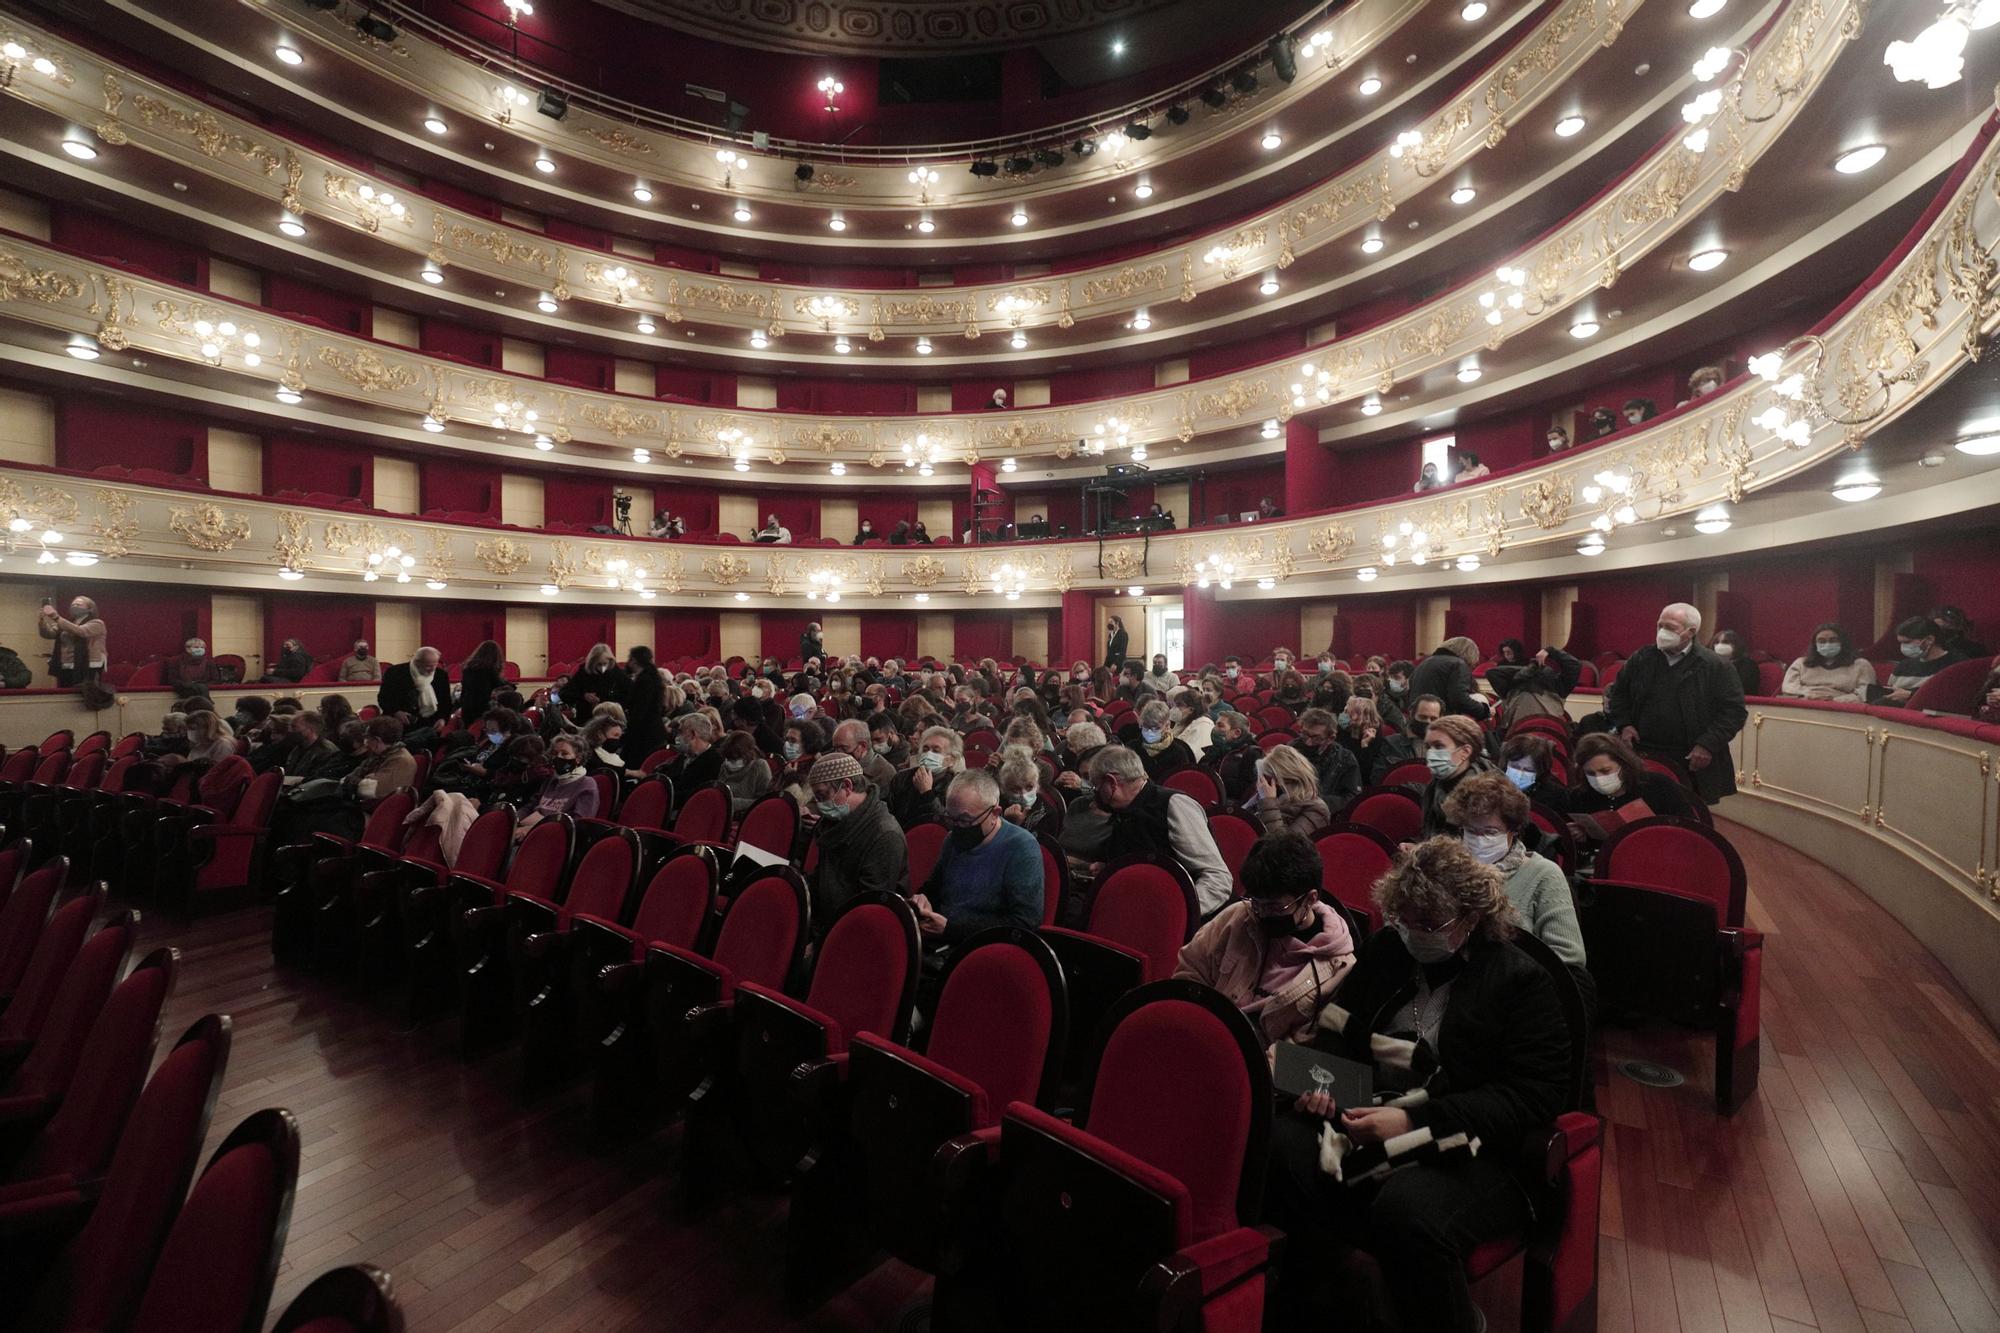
<point x="1199" y="783"/>
<point x="54" y="741"/>
<point x="1234" y="836"/>
<point x="1352" y="857"/>
<point x="704" y="815"/>
<point x="91" y="744"/>
<point x="648" y="806"/>
<point x="259" y="799"/>
<point x="359" y="1298"/>
<point x="771" y="824"/>
<point x="678" y="899"/>
<point x="1271" y="740"/>
<point x="128" y="1015"/>
<point x="483" y="849"/>
<point x="1576" y="1015"/>
<point x="865" y="975"/>
<point x="24" y="916"/>
<point x="603" y="883"/>
<point x="86" y="771"/>
<point x="1148" y="907"/>
<point x="51" y="768"/>
<point x="1055" y="878"/>
<point x="1390" y="811"/>
<point x="13" y="861"/>
<point x="19" y="766"/>
<point x="1410" y="773"/>
<point x="50" y="964"/>
<point x="96" y="1281"/>
<point x="763" y="932"/>
<point x="220" y="1260"/>
<point x="541" y="859"/>
<point x="384" y="828"/>
<point x="79" y="1138"/>
<point x="925" y="841"/>
<point x="607" y="793"/>
<point x="120" y="770"/>
<point x="1680" y="856"/>
<point x="1002" y="1018"/>
<point x="425" y="843"/>
<point x="1181" y="1034"/>
<point x="1954" y="690"/>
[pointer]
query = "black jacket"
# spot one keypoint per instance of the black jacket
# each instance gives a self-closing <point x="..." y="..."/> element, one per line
<point x="1114" y="649"/>
<point x="1559" y="677"/>
<point x="911" y="806"/>
<point x="1339" y="773"/>
<point x="475" y="692"/>
<point x="1698" y="702"/>
<point x="322" y="759"/>
<point x="1503" y="1047"/>
<point x="645" y="720"/>
<point x="811" y="647"/>
<point x="1437" y="789"/>
<point x="862" y="852"/>
<point x="691" y="772"/>
<point x="398" y="691"/>
<point x="1450" y="679"/>
<point x="608" y="685"/>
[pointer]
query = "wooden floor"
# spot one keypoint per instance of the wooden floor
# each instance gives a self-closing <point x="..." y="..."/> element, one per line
<point x="1859" y="1190"/>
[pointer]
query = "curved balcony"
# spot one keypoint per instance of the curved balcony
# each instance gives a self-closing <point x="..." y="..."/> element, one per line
<point x="384" y="384"/>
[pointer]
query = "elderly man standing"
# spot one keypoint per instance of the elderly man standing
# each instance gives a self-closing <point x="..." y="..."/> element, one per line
<point x="1677" y="699"/>
<point x="1146" y="817"/>
<point x="417" y="691"/>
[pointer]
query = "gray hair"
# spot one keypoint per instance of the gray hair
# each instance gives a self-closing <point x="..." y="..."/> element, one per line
<point x="979" y="782"/>
<point x="1020" y="773"/>
<point x="696" y="726"/>
<point x="1153" y="714"/>
<point x="1084" y="736"/>
<point x="850" y="732"/>
<point x="1689" y="615"/>
<point x="954" y="743"/>
<point x="1118" y="762"/>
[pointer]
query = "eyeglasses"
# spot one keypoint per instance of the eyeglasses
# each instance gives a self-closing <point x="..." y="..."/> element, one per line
<point x="968" y="821"/>
<point x="1264" y="909"/>
<point x="1393" y="921"/>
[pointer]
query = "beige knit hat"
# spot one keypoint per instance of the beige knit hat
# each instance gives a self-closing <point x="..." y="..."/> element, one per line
<point x="835" y="766"/>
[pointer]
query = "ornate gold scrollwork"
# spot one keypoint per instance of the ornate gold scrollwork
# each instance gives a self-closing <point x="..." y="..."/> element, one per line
<point x="502" y="555"/>
<point x="113" y="531"/>
<point x="209" y="527"/>
<point x="292" y="546"/>
<point x="725" y="569"/>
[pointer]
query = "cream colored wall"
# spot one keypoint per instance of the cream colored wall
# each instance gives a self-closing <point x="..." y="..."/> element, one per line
<point x="1886" y="569"/>
<point x="1557" y="605"/>
<point x="520" y="217"/>
<point x="1430" y="622"/>
<point x="398" y="631"/>
<point x="528" y="639"/>
<point x="521" y="499"/>
<point x="1170" y="372"/>
<point x="632" y="248"/>
<point x="27" y="428"/>
<point x="521" y="357"/>
<point x="935" y="634"/>
<point x="1706" y="586"/>
<point x="1173" y="497"/>
<point x="935" y="515"/>
<point x="839" y="519"/>
<point x="735" y="268"/>
<point x="737" y="514"/>
<point x="235" y="461"/>
<point x="630" y="629"/>
<point x="396" y="326"/>
<point x="933" y="398"/>
<point x="1031" y="393"/>
<point x="235" y="281"/>
<point x="741" y="634"/>
<point x="236" y="625"/>
<point x="754" y="391"/>
<point x="634" y="377"/>
<point x="840" y="631"/>
<point x="19" y="213"/>
<point x="20" y="629"/>
<point x="1133" y="611"/>
<point x="396" y="486"/>
<point x="1031" y="637"/>
<point x="1316" y="621"/>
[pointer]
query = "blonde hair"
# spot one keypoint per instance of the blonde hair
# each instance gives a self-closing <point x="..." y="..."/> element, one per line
<point x="1462" y="730"/>
<point x="1294" y="776"/>
<point x="1464" y="649"/>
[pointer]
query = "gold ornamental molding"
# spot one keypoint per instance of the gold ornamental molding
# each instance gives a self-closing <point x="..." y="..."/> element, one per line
<point x="1587" y="252"/>
<point x="135" y="112"/>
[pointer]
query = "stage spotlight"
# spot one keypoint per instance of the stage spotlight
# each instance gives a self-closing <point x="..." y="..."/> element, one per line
<point x="1244" y="81"/>
<point x="1138" y="129"/>
<point x="368" y="25"/>
<point x="1177" y="114"/>
<point x="985" y="168"/>
<point x="1083" y="147"/>
<point x="1019" y="166"/>
<point x="1284" y="58"/>
<point x="803" y="172"/>
<point x="1215" y="97"/>
<point x="1049" y="157"/>
<point x="552" y="104"/>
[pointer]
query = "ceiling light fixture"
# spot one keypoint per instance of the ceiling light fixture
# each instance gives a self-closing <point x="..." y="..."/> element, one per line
<point x="290" y="397"/>
<point x="646" y="324"/>
<point x="84" y="348"/>
<point x="546" y="304"/>
<point x="837" y="222"/>
<point x="1018" y="341"/>
<point x="544" y="165"/>
<point x="1703" y="9"/>
<point x="1473" y="12"/>
<point x="1857" y="160"/>
<point x="1269" y="286"/>
<point x="842" y="346"/>
<point x="1008" y="465"/>
<point x="1468" y="374"/>
<point x="1936" y="58"/>
<point x="1270" y="429"/>
<point x="1372" y="246"/>
<point x="545" y="444"/>
<point x="1019" y="217"/>
<point x="642" y="193"/>
<point x="759" y="340"/>
<point x="550" y="590"/>
<point x="79" y="150"/>
<point x="1712" y="520"/>
<point x="1141" y="321"/>
<point x="1703" y="260"/>
<point x="1593" y="545"/>
<point x="923" y="347"/>
<point x="1583" y="328"/>
<point x="1371" y="406"/>
<point x="1370" y="86"/>
<point x="436" y="125"/>
<point x="287" y="54"/>
<point x="432" y="276"/>
<point x="432" y="424"/>
<point x="291" y="226"/>
<point x="1271" y="140"/>
<point x="1464" y="194"/>
<point x="1367" y="573"/>
<point x="1143" y="190"/>
<point x="926" y="225"/>
<point x="1857" y="486"/>
<point x="1979" y="446"/>
<point x="1569" y="125"/>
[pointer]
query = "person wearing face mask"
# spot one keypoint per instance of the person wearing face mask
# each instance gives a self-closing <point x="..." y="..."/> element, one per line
<point x="1279" y="952"/>
<point x="1528" y="760"/>
<point x="1428" y="479"/>
<point x="865" y="533"/>
<point x="885" y="741"/>
<point x="1454" y="749"/>
<point x="917" y="794"/>
<point x="1467" y="1038"/>
<point x="292" y="664"/>
<point x="988" y="874"/>
<point x="1115" y="642"/>
<point x="1921" y="655"/>
<point x="359" y="664"/>
<point x="1734" y="649"/>
<point x="803" y="709"/>
<point x="697" y="760"/>
<point x="1677" y="699"/>
<point x="191" y="672"/>
<point x="1491" y="814"/>
<point x="1190" y="721"/>
<point x="853" y="737"/>
<point x="1558" y="439"/>
<point x="470" y="765"/>
<point x="1613" y="787"/>
<point x="1158" y="677"/>
<point x="1533" y="686"/>
<point x="1447" y="673"/>
<point x="1160" y="750"/>
<point x="1147" y="819"/>
<point x="861" y="846"/>
<point x="1395" y="700"/>
<point x="800" y="749"/>
<point x="1830" y="670"/>
<point x="1336" y="772"/>
<point x="1955" y="631"/>
<point x="1287" y="798"/>
<point x="78" y="656"/>
<point x="565" y="790"/>
<point x="1023" y="799"/>
<point x="745" y="771"/>
<point x="1637" y="411"/>
<point x="603" y="746"/>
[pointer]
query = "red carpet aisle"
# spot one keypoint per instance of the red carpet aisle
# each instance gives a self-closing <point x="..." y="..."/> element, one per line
<point x="1860" y="1190"/>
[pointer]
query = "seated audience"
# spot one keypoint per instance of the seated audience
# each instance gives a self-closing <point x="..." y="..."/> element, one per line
<point x="1533" y="687"/>
<point x="1955" y="631"/>
<point x="861" y="846"/>
<point x="292" y="664"/>
<point x="698" y="761"/>
<point x="566" y="789"/>
<point x="1428" y="479"/>
<point x="1454" y="749"/>
<point x="1613" y="787"/>
<point x="989" y="872"/>
<point x="1336" y="769"/>
<point x="417" y="692"/>
<point x="773" y="532"/>
<point x="1470" y="468"/>
<point x="1147" y="819"/>
<point x="1287" y="799"/>
<point x="1734" y="649"/>
<point x="1023" y="798"/>
<point x="191" y="671"/>
<point x="603" y="741"/>
<point x="1923" y="656"/>
<point x="1279" y="953"/>
<point x="1558" y="439"/>
<point x="1467" y="1040"/>
<point x="1491" y="815"/>
<point x="865" y="532"/>
<point x="359" y="664"/>
<point x="917" y="794"/>
<point x="1159" y="749"/>
<point x="1529" y="762"/>
<point x="1831" y="672"/>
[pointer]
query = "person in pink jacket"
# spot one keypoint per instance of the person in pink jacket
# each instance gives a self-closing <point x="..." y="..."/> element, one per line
<point x="1278" y="953"/>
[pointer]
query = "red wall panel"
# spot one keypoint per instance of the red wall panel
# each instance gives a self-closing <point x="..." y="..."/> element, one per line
<point x="888" y="634"/>
<point x="973" y="395"/>
<point x="1488" y="615"/>
<point x="797" y="510"/>
<point x="1236" y="492"/>
<point x="576" y="233"/>
<point x="884" y="509"/>
<point x="1250" y="351"/>
<point x="319" y="467"/>
<point x="572" y="365"/>
<point x="128" y="246"/>
<point x="695" y="504"/>
<point x="452" y="487"/>
<point x="573" y="499"/>
<point x="685" y="631"/>
<point x="1076" y="386"/>
<point x="681" y="256"/>
<point x="1625" y="608"/>
<point x="1964" y="569"/>
<point x="141" y="621"/>
<point x="456" y="628"/>
<point x="327" y="626"/>
<point x="781" y="630"/>
<point x="694" y="386"/>
<point x="92" y="433"/>
<point x="1376" y="471"/>
<point x="1219" y="623"/>
<point x="447" y="193"/>
<point x="1776" y="603"/>
<point x="575" y="630"/>
<point x="335" y="310"/>
<point x="1385" y="625"/>
<point x="977" y="634"/>
<point x="442" y="337"/>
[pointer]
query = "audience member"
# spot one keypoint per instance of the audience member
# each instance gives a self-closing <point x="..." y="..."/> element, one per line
<point x="862" y="848"/>
<point x="989" y="872"/>
<point x="1278" y="953"/>
<point x="1453" y="748"/>
<point x="1955" y="632"/>
<point x="1613" y="787"/>
<point x="596" y="679"/>
<point x="1470" y="468"/>
<point x="1428" y="479"/>
<point x="359" y="664"/>
<point x="1677" y="699"/>
<point x="1287" y="799"/>
<point x="1115" y="641"/>
<point x="191" y="671"/>
<point x="417" y="693"/>
<point x="1637" y="410"/>
<point x="1558" y="439"/>
<point x="1533" y="687"/>
<point x="1491" y="814"/>
<point x="1831" y="672"/>
<point x="1734" y="649"/>
<point x="1529" y="762"/>
<point x="773" y="533"/>
<point x="1923" y="655"/>
<point x="1336" y="770"/>
<point x="1147" y="819"/>
<point x="293" y="662"/>
<point x="78" y="657"/>
<point x="478" y="677"/>
<point x="917" y="794"/>
<point x="1447" y="673"/>
<point x="1160" y="749"/>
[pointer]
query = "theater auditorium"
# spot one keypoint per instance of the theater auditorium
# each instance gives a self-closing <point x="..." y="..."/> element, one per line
<point x="950" y="665"/>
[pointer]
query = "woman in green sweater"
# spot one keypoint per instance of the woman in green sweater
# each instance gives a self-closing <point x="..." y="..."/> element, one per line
<point x="1490" y="814"/>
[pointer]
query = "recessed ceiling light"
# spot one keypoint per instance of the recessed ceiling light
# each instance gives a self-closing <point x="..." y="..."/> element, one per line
<point x="1473" y="12"/>
<point x="1592" y="546"/>
<point x="288" y="55"/>
<point x="1118" y="46"/>
<point x="646" y="324"/>
<point x="923" y="347"/>
<point x="1857" y="486"/>
<point x="759" y="340"/>
<point x="1142" y="321"/>
<point x="1269" y="286"/>
<point x="436" y="126"/>
<point x="1712" y="520"/>
<point x="1569" y="125"/>
<point x="842" y="346"/>
<point x="837" y="222"/>
<point x="291" y="226"/>
<point x="547" y="305"/>
<point x="44" y="66"/>
<point x="1704" y="260"/>
<point x="1367" y="573"/>
<point x="1018" y="341"/>
<point x="1980" y="446"/>
<point x="432" y="424"/>
<point x="926" y="225"/>
<point x="1464" y="194"/>
<point x="84" y="348"/>
<point x="1371" y="246"/>
<point x="1143" y="190"/>
<point x="1702" y="9"/>
<point x="1583" y="328"/>
<point x="1271" y="139"/>
<point x="432" y="276"/>
<point x="741" y="213"/>
<point x="1019" y="217"/>
<point x="1857" y="160"/>
<point x="1370" y="86"/>
<point x="79" y="150"/>
<point x="642" y="193"/>
<point x="1371" y="406"/>
<point x="545" y="166"/>
<point x="289" y="397"/>
<point x="1468" y="374"/>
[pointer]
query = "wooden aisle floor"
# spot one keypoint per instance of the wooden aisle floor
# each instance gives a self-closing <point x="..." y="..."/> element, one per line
<point x="1859" y="1190"/>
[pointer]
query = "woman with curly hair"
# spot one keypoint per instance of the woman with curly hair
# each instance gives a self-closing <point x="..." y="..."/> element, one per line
<point x="1288" y="799"/>
<point x="1466" y="1038"/>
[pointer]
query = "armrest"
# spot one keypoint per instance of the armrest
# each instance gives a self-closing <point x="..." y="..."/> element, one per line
<point x="964" y="1179"/>
<point x="707" y="1023"/>
<point x="216" y="832"/>
<point x="1737" y="943"/>
<point x="480" y="919"/>
<point x="814" y="1081"/>
<point x="25" y="1216"/>
<point x="1177" y="1286"/>
<point x="544" y="944"/>
<point x="620" y="978"/>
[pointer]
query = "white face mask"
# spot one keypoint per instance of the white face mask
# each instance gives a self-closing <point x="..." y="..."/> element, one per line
<point x="1668" y="641"/>
<point x="1725" y="651"/>
<point x="1605" y="784"/>
<point x="1488" y="847"/>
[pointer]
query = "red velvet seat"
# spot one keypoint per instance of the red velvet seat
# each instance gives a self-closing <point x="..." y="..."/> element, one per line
<point x="1413" y="773"/>
<point x="359" y="1298"/>
<point x="1140" y="914"/>
<point x="401" y="906"/>
<point x="48" y="966"/>
<point x="604" y="888"/>
<point x="1663" y="924"/>
<point x="1954" y="690"/>
<point x="1271" y="740"/>
<point x="1352" y="857"/>
<point x="646" y="810"/>
<point x="675" y="909"/>
<point x="791" y="1055"/>
<point x="771" y="825"/>
<point x="1276" y="717"/>
<point x="220" y="1260"/>
<point x="704" y="816"/>
<point x="311" y="876"/>
<point x="221" y="863"/>
<point x="1235" y="834"/>
<point x="925" y="842"/>
<point x="22" y="919"/>
<point x="1055" y="878"/>
<point x="1391" y="811"/>
<point x="1199" y="783"/>
<point x="996" y="1037"/>
<point x="96" y="1279"/>
<point x="1126" y="1217"/>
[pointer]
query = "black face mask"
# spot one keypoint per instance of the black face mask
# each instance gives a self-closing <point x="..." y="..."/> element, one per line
<point x="611" y="747"/>
<point x="1281" y="927"/>
<point x="965" y="839"/>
